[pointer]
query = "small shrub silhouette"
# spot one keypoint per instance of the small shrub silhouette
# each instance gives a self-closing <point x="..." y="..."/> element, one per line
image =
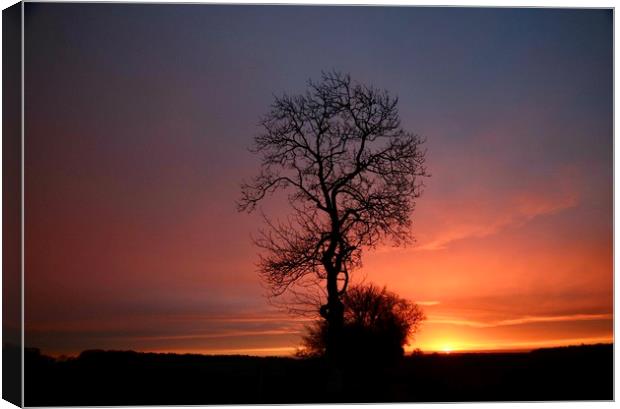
<point x="378" y="324"/>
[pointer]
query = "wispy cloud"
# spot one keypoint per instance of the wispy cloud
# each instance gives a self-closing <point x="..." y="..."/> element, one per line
<point x="274" y="351"/>
<point x="221" y="334"/>
<point x="522" y="209"/>
<point x="520" y="320"/>
<point x="427" y="303"/>
<point x="133" y="322"/>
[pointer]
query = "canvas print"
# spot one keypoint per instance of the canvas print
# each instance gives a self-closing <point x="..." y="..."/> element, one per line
<point x="283" y="204"/>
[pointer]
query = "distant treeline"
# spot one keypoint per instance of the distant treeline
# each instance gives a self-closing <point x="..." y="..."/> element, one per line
<point x="98" y="377"/>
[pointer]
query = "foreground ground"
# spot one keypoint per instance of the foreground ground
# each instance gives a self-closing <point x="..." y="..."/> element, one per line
<point x="130" y="378"/>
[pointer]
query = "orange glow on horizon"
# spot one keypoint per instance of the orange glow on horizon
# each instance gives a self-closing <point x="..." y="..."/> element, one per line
<point x="456" y="346"/>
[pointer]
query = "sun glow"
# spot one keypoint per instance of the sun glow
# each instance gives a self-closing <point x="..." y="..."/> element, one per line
<point x="446" y="349"/>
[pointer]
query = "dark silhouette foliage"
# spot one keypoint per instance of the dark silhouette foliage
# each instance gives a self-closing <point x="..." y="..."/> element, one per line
<point x="352" y="174"/>
<point x="377" y="325"/>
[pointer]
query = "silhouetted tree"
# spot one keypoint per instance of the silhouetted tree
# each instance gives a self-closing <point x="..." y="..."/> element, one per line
<point x="352" y="174"/>
<point x="377" y="325"/>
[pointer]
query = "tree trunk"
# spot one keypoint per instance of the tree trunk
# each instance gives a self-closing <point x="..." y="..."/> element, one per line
<point x="334" y="317"/>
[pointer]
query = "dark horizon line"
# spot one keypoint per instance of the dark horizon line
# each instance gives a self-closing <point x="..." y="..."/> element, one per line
<point x="407" y="354"/>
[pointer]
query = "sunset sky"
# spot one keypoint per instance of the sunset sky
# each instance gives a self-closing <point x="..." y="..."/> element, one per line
<point x="138" y="119"/>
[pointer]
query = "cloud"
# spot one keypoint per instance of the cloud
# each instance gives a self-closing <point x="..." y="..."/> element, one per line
<point x="521" y="320"/>
<point x="484" y="218"/>
<point x="181" y="320"/>
<point x="427" y="303"/>
<point x="222" y="334"/>
<point x="276" y="351"/>
<point x="251" y="319"/>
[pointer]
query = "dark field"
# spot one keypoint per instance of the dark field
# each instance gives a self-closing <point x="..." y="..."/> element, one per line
<point x="130" y="378"/>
